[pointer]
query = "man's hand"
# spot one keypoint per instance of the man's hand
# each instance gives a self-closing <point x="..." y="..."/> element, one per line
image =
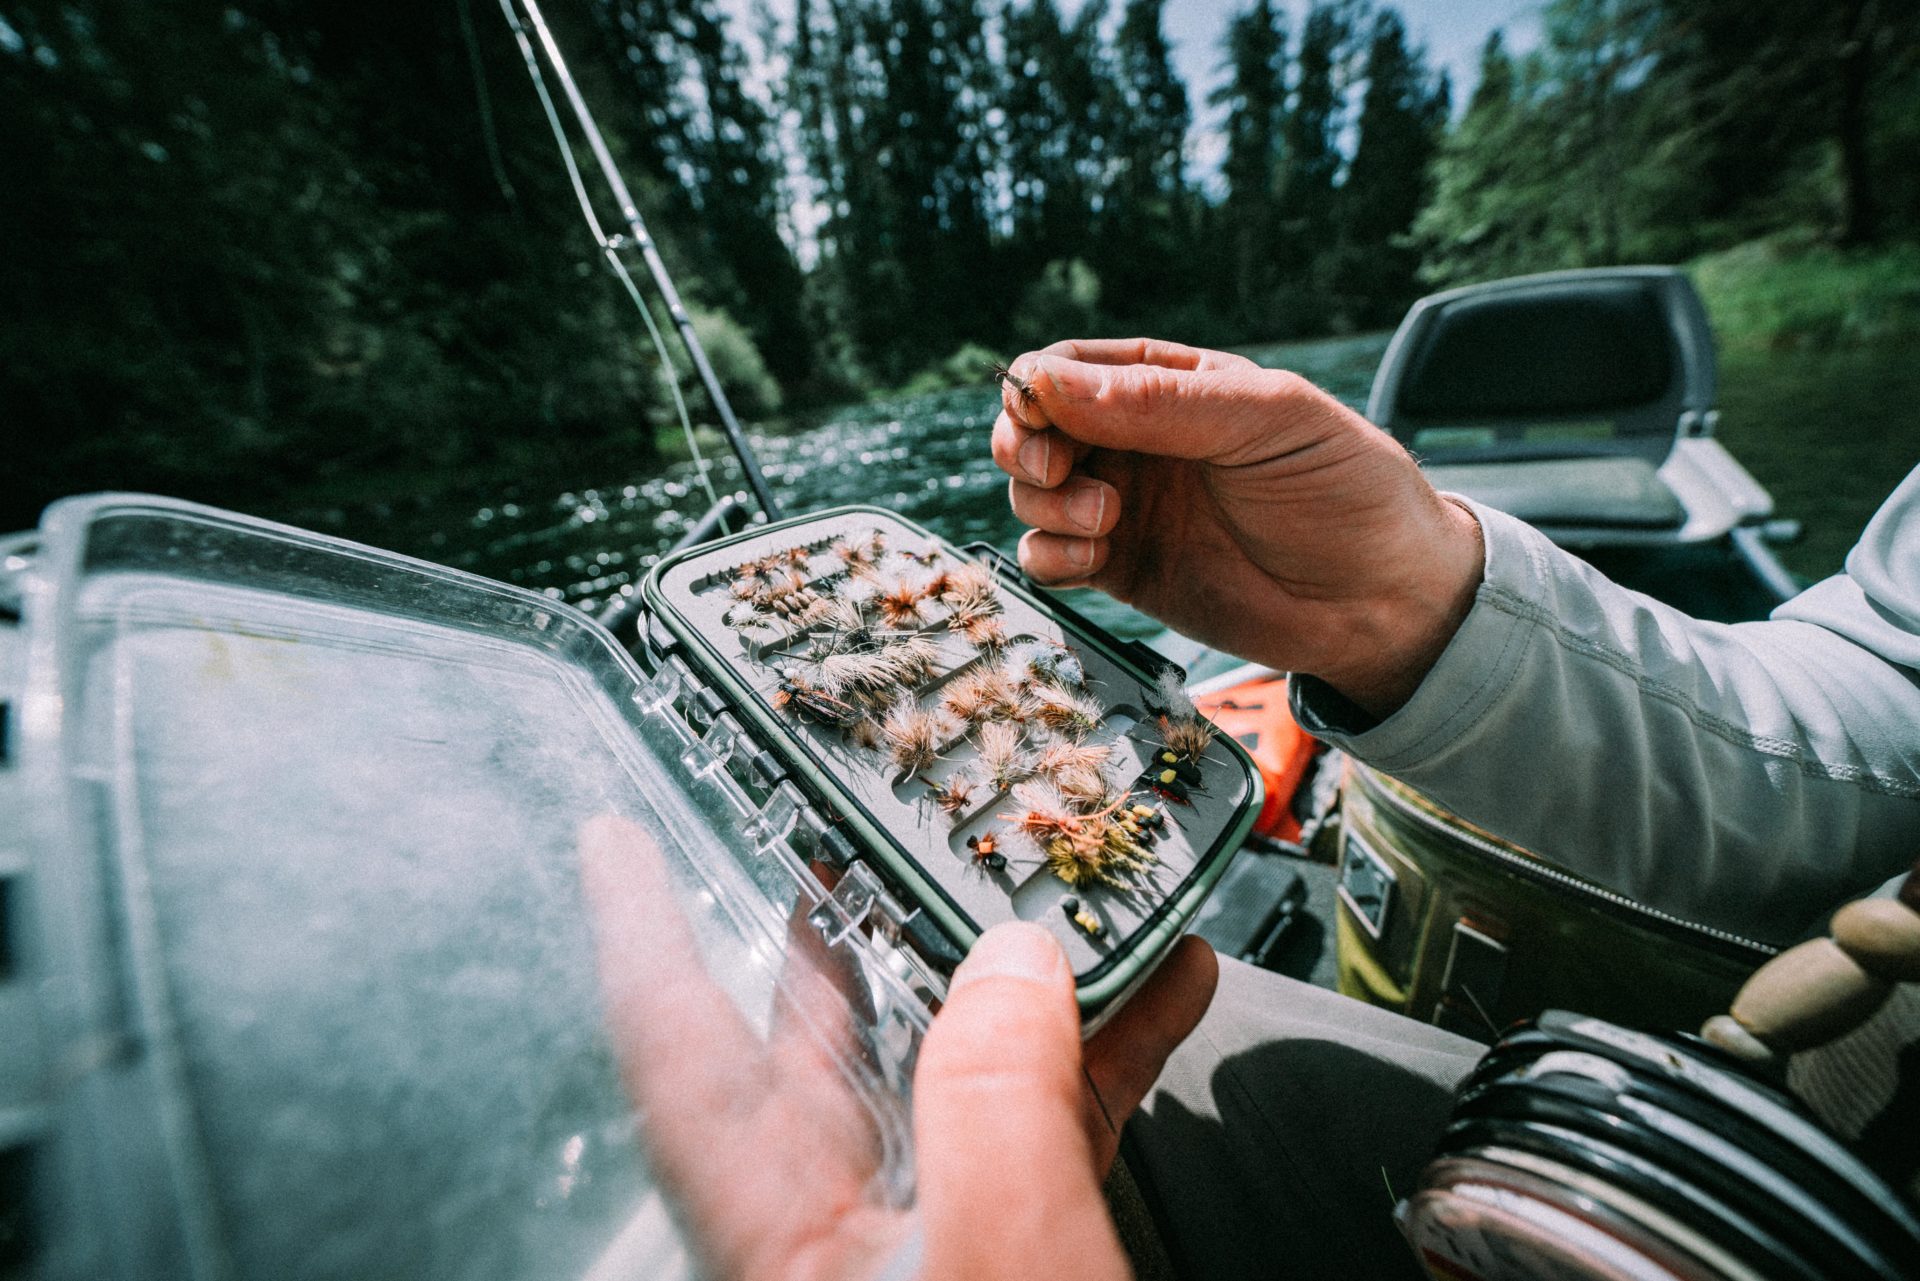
<point x="1242" y="506"/>
<point x="769" y="1157"/>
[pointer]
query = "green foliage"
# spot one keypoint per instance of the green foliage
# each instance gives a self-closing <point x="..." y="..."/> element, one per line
<point x="1255" y="98"/>
<point x="1063" y="303"/>
<point x="1307" y="239"/>
<point x="1654" y="130"/>
<point x="1056" y="93"/>
<point x="969" y="365"/>
<point x="751" y="389"/>
<point x="1493" y="184"/>
<point x="266" y="249"/>
<point x="892" y="97"/>
<point x="1402" y="116"/>
<point x="1311" y="159"/>
<point x="1147" y="221"/>
<point x="299" y="249"/>
<point x="1786" y="292"/>
<point x="1565" y="159"/>
<point x="1829" y="432"/>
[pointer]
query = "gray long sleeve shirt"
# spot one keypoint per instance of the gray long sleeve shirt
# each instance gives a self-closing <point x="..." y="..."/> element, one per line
<point x="1749" y="776"/>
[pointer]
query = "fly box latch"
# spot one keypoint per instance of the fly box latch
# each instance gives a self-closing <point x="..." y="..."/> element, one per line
<point x="717" y="750"/>
<point x="858" y="899"/>
<point x="779" y="824"/>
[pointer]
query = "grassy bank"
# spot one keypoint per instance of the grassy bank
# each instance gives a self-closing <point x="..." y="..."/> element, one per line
<point x="1786" y="293"/>
<point x="1819" y="384"/>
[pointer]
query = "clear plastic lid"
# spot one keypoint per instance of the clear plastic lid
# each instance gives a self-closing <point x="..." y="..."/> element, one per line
<point x="334" y="985"/>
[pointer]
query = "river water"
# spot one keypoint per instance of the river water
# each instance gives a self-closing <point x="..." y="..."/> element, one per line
<point x="1829" y="434"/>
<point x="922" y="456"/>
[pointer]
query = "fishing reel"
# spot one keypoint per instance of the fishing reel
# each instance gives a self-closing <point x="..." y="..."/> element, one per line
<point x="1580" y="1149"/>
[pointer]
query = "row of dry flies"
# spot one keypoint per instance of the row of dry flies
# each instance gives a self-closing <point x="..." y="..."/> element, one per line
<point x="1023" y="705"/>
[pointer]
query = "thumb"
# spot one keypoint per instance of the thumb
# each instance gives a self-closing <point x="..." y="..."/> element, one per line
<point x="1008" y="1185"/>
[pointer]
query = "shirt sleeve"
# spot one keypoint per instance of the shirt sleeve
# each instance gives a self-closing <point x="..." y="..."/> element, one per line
<point x="1749" y="776"/>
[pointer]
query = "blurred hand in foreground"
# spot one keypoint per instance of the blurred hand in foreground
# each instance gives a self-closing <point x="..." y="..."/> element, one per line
<point x="1242" y="506"/>
<point x="770" y="1158"/>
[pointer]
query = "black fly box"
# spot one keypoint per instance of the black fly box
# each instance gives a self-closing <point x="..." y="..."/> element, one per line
<point x="974" y="750"/>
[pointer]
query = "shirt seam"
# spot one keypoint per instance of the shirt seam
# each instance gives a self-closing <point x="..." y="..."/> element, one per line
<point x="1520" y="608"/>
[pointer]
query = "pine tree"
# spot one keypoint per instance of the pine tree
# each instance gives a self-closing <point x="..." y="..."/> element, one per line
<point x="1315" y="119"/>
<point x="1255" y="98"/>
<point x="642" y="50"/>
<point x="1146" y="232"/>
<point x="1585" y="164"/>
<point x="1821" y="69"/>
<point x="276" y="243"/>
<point x="1402" y="116"/>
<point x="894" y="97"/>
<point x="734" y="190"/>
<point x="1493" y="187"/>
<point x="1055" y="102"/>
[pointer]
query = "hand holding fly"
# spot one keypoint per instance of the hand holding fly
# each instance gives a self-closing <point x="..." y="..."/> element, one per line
<point x="1241" y="505"/>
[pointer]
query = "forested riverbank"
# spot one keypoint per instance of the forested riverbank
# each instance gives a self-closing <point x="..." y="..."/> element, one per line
<point x="288" y="255"/>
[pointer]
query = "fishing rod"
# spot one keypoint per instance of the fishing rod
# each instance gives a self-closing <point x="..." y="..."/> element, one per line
<point x="636" y="237"/>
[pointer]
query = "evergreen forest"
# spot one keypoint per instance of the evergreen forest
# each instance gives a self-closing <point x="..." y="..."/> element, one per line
<point x="266" y="248"/>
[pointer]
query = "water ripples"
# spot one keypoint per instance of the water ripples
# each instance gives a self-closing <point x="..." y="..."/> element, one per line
<point x="925" y="457"/>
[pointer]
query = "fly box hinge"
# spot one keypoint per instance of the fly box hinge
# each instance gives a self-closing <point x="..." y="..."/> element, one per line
<point x="778" y="820"/>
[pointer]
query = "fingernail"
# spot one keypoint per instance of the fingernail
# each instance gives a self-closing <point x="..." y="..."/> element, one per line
<point x="1087" y="507"/>
<point x="1086" y="553"/>
<point x="1034" y="456"/>
<point x="1070" y="378"/>
<point x="1013" y="950"/>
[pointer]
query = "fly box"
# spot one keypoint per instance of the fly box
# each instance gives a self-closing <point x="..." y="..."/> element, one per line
<point x="988" y="754"/>
<point x="367" y="918"/>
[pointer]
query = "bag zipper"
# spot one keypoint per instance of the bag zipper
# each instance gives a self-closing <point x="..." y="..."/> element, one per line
<point x="1539" y="872"/>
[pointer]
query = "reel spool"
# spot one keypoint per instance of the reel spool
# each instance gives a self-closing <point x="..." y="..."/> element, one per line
<point x="1582" y="1150"/>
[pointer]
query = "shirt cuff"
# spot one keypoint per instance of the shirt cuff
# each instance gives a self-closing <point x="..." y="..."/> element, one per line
<point x="1475" y="670"/>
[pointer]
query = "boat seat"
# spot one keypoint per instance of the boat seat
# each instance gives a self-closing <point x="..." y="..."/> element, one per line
<point x="1594" y="493"/>
<point x="1569" y="399"/>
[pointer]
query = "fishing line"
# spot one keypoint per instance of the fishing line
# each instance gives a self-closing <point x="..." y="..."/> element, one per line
<point x="673" y="376"/>
<point x="485" y="100"/>
<point x="1098" y="1101"/>
<point x="610" y="246"/>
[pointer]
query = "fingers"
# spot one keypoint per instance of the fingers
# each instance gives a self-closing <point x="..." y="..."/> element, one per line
<point x="1007" y="1176"/>
<point x="1030" y="410"/>
<point x="686" y="1057"/>
<point x="1229" y="413"/>
<point x="1124" y="1058"/>
<point x="1083" y="507"/>
<point x="1035" y="455"/>
<point x="762" y="1149"/>
<point x="1139" y="351"/>
<point x="1057" y="560"/>
<point x="1071" y="515"/>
